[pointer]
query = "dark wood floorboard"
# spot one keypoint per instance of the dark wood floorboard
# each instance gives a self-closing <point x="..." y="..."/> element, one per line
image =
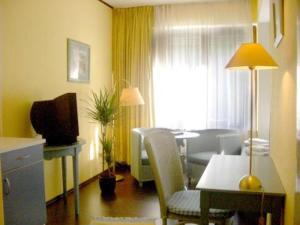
<point x="130" y="201"/>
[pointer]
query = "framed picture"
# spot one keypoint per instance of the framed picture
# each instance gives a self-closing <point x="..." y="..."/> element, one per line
<point x="277" y="21"/>
<point x="78" y="61"/>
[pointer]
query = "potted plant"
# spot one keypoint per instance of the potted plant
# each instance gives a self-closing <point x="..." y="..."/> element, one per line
<point x="104" y="109"/>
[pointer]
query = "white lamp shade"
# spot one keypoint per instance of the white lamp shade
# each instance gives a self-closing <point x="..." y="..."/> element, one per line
<point x="251" y="56"/>
<point x="131" y="96"/>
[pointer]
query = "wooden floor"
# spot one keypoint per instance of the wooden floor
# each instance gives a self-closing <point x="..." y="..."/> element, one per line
<point x="130" y="201"/>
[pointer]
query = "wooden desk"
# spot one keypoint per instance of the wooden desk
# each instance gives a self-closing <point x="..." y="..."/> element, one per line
<point x="219" y="187"/>
<point x="1" y="199"/>
<point x="63" y="151"/>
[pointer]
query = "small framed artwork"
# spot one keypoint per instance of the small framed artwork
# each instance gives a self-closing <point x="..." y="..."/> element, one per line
<point x="78" y="61"/>
<point x="277" y="21"/>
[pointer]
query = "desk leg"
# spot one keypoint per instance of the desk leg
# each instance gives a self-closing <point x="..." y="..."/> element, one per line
<point x="76" y="183"/>
<point x="277" y="207"/>
<point x="204" y="205"/>
<point x="64" y="175"/>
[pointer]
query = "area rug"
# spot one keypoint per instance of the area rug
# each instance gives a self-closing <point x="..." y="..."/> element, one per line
<point x="131" y="221"/>
<point x="124" y="221"/>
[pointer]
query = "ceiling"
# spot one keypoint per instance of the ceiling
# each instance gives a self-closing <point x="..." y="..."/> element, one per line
<point x="134" y="3"/>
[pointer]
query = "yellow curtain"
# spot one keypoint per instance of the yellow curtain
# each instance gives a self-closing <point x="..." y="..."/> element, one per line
<point x="132" y="40"/>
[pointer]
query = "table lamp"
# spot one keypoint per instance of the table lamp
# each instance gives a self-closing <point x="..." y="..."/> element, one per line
<point x="251" y="56"/>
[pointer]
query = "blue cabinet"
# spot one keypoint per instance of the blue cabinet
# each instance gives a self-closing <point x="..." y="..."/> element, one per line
<point x="23" y="186"/>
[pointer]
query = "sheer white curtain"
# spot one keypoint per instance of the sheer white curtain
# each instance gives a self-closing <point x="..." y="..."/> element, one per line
<point x="191" y="45"/>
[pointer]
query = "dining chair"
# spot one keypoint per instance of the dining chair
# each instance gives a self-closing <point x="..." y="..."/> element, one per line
<point x="176" y="202"/>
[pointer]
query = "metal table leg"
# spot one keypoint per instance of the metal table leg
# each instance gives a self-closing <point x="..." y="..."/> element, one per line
<point x="204" y="205"/>
<point x="76" y="182"/>
<point x="64" y="175"/>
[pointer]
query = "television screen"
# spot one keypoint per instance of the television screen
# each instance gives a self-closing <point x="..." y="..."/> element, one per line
<point x="56" y="120"/>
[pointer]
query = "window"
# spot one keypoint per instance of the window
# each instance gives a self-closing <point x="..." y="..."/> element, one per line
<point x="192" y="88"/>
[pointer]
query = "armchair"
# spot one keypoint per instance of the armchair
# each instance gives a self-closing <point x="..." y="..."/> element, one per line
<point x="210" y="142"/>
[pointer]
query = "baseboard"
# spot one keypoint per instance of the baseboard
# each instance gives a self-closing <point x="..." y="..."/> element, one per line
<point x="120" y="167"/>
<point x="53" y="200"/>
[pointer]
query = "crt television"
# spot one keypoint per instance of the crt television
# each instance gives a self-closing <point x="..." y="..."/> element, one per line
<point x="56" y="120"/>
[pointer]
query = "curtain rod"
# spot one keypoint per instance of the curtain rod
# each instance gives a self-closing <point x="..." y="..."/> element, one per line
<point x="105" y="3"/>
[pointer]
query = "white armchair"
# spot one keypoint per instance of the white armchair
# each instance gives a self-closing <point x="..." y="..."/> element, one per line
<point x="210" y="142"/>
<point x="140" y="167"/>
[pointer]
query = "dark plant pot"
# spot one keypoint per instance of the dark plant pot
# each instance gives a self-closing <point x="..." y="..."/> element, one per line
<point x="107" y="184"/>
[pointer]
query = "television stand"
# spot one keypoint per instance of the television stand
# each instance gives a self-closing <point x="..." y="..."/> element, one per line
<point x="62" y="151"/>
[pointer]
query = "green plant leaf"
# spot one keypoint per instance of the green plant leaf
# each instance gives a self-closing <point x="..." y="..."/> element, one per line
<point x="103" y="108"/>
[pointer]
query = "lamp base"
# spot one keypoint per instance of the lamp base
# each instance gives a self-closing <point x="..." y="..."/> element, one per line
<point x="250" y="182"/>
<point x="119" y="177"/>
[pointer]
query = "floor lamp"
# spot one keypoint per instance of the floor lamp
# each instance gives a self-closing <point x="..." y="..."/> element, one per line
<point x="130" y="96"/>
<point x="251" y="56"/>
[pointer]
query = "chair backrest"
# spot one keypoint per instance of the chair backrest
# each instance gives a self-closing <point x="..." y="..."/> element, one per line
<point x="165" y="164"/>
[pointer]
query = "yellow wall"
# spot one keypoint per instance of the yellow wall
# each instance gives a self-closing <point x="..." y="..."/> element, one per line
<point x="1" y="60"/>
<point x="297" y="199"/>
<point x="264" y="86"/>
<point x="283" y="107"/>
<point x="1" y="75"/>
<point x="254" y="10"/>
<point x="35" y="68"/>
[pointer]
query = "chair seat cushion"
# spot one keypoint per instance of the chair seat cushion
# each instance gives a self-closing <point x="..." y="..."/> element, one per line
<point x="200" y="157"/>
<point x="145" y="159"/>
<point x="187" y="203"/>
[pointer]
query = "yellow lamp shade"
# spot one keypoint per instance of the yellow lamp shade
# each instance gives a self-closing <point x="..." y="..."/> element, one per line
<point x="131" y="96"/>
<point x="251" y="56"/>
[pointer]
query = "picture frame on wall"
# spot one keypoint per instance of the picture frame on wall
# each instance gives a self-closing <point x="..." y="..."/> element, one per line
<point x="277" y="7"/>
<point x="78" y="61"/>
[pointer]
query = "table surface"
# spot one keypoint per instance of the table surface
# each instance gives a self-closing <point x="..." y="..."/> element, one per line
<point x="224" y="172"/>
<point x="12" y="143"/>
<point x="80" y="142"/>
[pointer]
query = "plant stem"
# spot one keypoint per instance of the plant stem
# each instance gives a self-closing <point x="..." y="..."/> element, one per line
<point x="103" y="130"/>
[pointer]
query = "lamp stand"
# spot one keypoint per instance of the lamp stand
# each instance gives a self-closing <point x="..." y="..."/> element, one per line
<point x="250" y="182"/>
<point x="119" y="177"/>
